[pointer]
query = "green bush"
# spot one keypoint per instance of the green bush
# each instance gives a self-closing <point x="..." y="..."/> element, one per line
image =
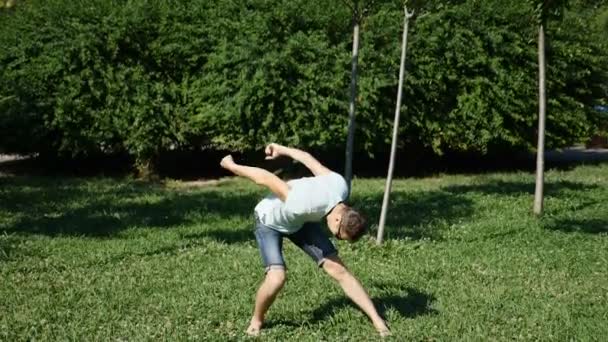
<point x="101" y="76"/>
<point x="471" y="82"/>
<point x="145" y="76"/>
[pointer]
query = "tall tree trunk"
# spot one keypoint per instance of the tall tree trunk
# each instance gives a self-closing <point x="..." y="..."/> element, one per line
<point x="391" y="164"/>
<point x="350" y="141"/>
<point x="542" y="101"/>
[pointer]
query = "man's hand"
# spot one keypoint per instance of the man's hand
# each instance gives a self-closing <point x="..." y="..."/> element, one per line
<point x="273" y="151"/>
<point x="227" y="162"/>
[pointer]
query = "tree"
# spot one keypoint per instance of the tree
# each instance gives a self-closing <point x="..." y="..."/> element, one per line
<point x="350" y="140"/>
<point x="543" y="11"/>
<point x="389" y="178"/>
<point x="143" y="78"/>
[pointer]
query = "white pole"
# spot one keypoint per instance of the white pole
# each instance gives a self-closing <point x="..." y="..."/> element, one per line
<point x="540" y="153"/>
<point x="391" y="165"/>
<point x="350" y="140"/>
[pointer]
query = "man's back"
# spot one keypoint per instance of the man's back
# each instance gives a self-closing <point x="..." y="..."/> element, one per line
<point x="309" y="199"/>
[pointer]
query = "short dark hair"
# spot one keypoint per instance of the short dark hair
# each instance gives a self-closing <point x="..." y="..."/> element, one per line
<point x="353" y="224"/>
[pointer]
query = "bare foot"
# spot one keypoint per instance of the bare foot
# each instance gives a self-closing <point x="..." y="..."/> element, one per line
<point x="384" y="333"/>
<point x="254" y="329"/>
<point x="382" y="329"/>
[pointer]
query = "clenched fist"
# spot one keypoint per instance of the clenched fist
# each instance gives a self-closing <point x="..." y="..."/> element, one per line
<point x="227" y="162"/>
<point x="273" y="151"/>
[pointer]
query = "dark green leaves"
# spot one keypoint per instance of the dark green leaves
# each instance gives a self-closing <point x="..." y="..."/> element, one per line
<point x="143" y="77"/>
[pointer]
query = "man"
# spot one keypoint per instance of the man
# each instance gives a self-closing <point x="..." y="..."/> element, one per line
<point x="294" y="210"/>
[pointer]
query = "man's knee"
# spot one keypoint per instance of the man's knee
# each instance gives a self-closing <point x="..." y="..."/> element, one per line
<point x="334" y="267"/>
<point x="276" y="277"/>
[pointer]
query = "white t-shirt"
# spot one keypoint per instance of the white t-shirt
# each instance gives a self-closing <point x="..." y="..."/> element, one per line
<point x="309" y="199"/>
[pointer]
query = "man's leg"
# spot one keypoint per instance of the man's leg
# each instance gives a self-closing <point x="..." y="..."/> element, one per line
<point x="353" y="289"/>
<point x="270" y="243"/>
<point x="317" y="245"/>
<point x="273" y="283"/>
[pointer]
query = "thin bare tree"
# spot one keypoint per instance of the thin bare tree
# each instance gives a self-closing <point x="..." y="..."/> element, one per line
<point x="359" y="9"/>
<point x="391" y="165"/>
<point x="543" y="11"/>
<point x="350" y="140"/>
<point x="542" y="109"/>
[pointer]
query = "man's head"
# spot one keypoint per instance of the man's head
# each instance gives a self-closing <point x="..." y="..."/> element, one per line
<point x="346" y="223"/>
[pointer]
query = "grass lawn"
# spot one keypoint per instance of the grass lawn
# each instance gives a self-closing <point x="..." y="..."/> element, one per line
<point x="105" y="259"/>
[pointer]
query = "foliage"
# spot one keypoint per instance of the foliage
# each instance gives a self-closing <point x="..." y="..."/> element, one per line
<point x="101" y="76"/>
<point x="544" y="10"/>
<point x="145" y="76"/>
<point x="277" y="74"/>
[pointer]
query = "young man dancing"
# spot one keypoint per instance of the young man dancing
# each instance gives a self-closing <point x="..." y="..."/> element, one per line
<point x="295" y="210"/>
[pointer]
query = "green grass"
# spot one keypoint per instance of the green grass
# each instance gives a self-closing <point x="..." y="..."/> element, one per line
<point x="464" y="259"/>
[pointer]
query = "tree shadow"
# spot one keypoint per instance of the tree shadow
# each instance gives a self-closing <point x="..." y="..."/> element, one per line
<point x="223" y="235"/>
<point x="101" y="209"/>
<point x="552" y="189"/>
<point x="164" y="251"/>
<point x="417" y="215"/>
<point x="408" y="302"/>
<point x="589" y="226"/>
<point x="427" y="214"/>
<point x="510" y="188"/>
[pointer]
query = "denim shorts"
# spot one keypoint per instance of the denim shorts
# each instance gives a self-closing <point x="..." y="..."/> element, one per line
<point x="310" y="238"/>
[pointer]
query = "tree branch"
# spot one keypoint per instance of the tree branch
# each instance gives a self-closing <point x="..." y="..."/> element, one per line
<point x="408" y="14"/>
<point x="348" y="4"/>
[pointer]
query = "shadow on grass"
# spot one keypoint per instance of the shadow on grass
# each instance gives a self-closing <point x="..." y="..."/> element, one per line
<point x="407" y="302"/>
<point x="426" y="214"/>
<point x="590" y="226"/>
<point x="552" y="189"/>
<point x="413" y="303"/>
<point x="417" y="215"/>
<point x="240" y="234"/>
<point x="103" y="208"/>
<point x="498" y="187"/>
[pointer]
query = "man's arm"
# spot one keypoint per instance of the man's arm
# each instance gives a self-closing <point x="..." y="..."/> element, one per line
<point x="317" y="169"/>
<point x="257" y="175"/>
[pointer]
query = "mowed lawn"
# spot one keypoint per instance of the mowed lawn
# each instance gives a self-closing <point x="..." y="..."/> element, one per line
<point x="101" y="259"/>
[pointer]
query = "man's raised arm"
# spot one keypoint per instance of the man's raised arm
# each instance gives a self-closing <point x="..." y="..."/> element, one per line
<point x="258" y="176"/>
<point x="275" y="150"/>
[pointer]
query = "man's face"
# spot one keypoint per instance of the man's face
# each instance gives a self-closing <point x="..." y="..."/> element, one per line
<point x="339" y="233"/>
<point x="333" y="223"/>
